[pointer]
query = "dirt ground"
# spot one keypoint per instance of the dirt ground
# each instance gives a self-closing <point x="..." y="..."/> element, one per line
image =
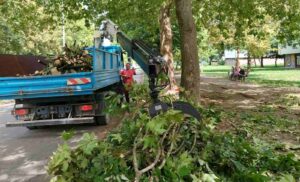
<point x="238" y="95"/>
<point x="114" y="122"/>
<point x="269" y="113"/>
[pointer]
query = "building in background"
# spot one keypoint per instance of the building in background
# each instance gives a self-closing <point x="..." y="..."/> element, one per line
<point x="270" y="58"/>
<point x="231" y="55"/>
<point x="291" y="55"/>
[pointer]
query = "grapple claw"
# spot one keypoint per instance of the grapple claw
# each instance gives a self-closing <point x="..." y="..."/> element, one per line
<point x="158" y="108"/>
<point x="185" y="107"/>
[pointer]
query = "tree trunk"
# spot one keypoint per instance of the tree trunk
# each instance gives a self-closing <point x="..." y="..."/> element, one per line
<point x="255" y="62"/>
<point x="166" y="40"/>
<point x="262" y="62"/>
<point x="248" y="63"/>
<point x="237" y="63"/>
<point x="177" y="65"/>
<point x="190" y="72"/>
<point x="276" y="61"/>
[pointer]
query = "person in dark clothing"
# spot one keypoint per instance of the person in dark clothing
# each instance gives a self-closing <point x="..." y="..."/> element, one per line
<point x="242" y="72"/>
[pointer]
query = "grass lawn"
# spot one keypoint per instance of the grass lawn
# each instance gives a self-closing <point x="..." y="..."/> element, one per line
<point x="270" y="75"/>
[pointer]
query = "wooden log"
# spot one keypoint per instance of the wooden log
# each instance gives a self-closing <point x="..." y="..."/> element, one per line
<point x="41" y="62"/>
<point x="57" y="62"/>
<point x="54" y="71"/>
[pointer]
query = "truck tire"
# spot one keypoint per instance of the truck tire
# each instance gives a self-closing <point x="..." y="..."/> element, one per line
<point x="102" y="120"/>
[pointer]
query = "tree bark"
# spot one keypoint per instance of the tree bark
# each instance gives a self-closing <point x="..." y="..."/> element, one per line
<point x="166" y="40"/>
<point x="255" y="62"/>
<point x="190" y="72"/>
<point x="248" y="63"/>
<point x="262" y="62"/>
<point x="276" y="61"/>
<point x="237" y="63"/>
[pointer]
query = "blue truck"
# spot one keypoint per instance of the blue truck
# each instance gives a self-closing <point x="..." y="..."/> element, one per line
<point x="65" y="99"/>
<point x="78" y="98"/>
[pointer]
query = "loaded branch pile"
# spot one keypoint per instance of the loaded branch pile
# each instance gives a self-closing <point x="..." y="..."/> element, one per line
<point x="73" y="60"/>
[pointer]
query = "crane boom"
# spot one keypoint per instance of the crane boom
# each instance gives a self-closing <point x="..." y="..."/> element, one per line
<point x="152" y="63"/>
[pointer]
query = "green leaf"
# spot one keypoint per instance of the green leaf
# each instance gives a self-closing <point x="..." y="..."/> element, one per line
<point x="58" y="179"/>
<point x="67" y="135"/>
<point x="239" y="166"/>
<point x="174" y="116"/>
<point x="185" y="165"/>
<point x="208" y="177"/>
<point x="287" y="178"/>
<point x="65" y="166"/>
<point x="89" y="148"/>
<point x="124" y="178"/>
<point x="149" y="141"/>
<point x="116" y="137"/>
<point x="157" y="125"/>
<point x="184" y="171"/>
<point x="84" y="163"/>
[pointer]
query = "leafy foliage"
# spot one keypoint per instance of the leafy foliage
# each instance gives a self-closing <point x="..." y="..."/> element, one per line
<point x="26" y="28"/>
<point x="29" y="27"/>
<point x="243" y="161"/>
<point x="171" y="147"/>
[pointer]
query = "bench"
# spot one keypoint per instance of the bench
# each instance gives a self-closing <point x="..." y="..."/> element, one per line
<point x="242" y="75"/>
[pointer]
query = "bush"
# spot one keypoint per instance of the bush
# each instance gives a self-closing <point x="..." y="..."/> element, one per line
<point x="204" y="63"/>
<point x="162" y="148"/>
<point x="221" y="62"/>
<point x="239" y="160"/>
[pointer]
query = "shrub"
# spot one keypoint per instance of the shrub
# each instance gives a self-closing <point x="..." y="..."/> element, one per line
<point x="221" y="62"/>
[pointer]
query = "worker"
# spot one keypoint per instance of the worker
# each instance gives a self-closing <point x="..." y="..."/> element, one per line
<point x="127" y="77"/>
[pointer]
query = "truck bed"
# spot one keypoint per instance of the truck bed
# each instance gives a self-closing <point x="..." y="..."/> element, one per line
<point x="106" y="66"/>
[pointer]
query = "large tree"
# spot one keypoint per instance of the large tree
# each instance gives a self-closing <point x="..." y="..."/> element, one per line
<point x="190" y="77"/>
<point x="166" y="39"/>
<point x="163" y="9"/>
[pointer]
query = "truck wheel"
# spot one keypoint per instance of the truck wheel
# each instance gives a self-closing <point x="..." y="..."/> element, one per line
<point x="102" y="120"/>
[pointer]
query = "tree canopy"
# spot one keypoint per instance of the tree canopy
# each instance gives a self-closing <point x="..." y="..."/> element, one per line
<point x="35" y="28"/>
<point x="26" y="28"/>
<point x="226" y="23"/>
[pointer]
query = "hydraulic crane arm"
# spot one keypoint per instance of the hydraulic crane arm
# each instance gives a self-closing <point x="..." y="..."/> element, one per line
<point x="151" y="62"/>
<point x="140" y="52"/>
<point x="136" y="49"/>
